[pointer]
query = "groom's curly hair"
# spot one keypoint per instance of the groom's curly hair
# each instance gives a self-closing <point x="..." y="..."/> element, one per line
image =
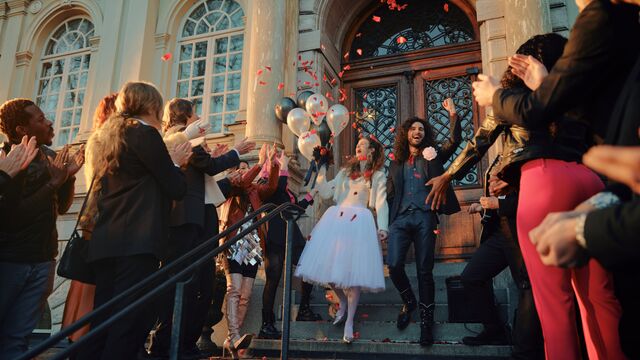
<point x="546" y="48"/>
<point x="401" y="142"/>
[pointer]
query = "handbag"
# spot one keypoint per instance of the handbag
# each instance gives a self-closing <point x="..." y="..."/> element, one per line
<point x="73" y="262"/>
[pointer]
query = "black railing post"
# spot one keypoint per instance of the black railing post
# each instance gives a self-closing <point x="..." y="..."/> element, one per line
<point x="176" y="322"/>
<point x="290" y="215"/>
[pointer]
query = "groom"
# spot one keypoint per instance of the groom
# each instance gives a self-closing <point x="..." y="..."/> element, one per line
<point x="411" y="217"/>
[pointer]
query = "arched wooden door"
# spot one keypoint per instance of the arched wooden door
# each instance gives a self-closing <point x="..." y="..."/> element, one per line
<point x="405" y="63"/>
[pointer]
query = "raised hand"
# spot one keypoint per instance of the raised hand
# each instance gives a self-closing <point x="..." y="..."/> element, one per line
<point x="529" y="69"/>
<point x="218" y="150"/>
<point x="245" y="146"/>
<point x="449" y="106"/>
<point x="283" y="159"/>
<point x="58" y="168"/>
<point x="273" y="152"/>
<point x="235" y="178"/>
<point x="437" y="195"/>
<point x="262" y="155"/>
<point x="196" y="129"/>
<point x="484" y="88"/>
<point x="19" y="157"/>
<point x="180" y="154"/>
<point x="76" y="161"/>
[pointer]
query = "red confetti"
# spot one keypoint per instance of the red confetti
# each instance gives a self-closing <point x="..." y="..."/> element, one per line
<point x="346" y="55"/>
<point x="417" y="176"/>
<point x="401" y="40"/>
<point x="343" y="94"/>
<point x="299" y="57"/>
<point x="333" y="81"/>
<point x="386" y="340"/>
<point x="353" y="125"/>
<point x="262" y="83"/>
<point x="346" y="67"/>
<point x="259" y="72"/>
<point x="364" y="97"/>
<point x="364" y="316"/>
<point x="324" y="77"/>
<point x="392" y="157"/>
<point x="308" y="83"/>
<point x="436" y="231"/>
<point x="358" y="34"/>
<point x="356" y="335"/>
<point x="268" y="68"/>
<point x="376" y="18"/>
<point x="446" y="7"/>
<point x="312" y="132"/>
<point x="340" y="74"/>
<point x="359" y="51"/>
<point x="280" y="86"/>
<point x="329" y="96"/>
<point x="166" y="57"/>
<point x="392" y="129"/>
<point x="354" y="217"/>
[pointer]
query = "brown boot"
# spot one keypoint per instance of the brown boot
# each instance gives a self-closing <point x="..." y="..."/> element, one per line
<point x="243" y="304"/>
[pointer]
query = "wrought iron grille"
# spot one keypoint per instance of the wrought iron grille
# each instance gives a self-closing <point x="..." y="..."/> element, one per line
<point x="459" y="89"/>
<point x="377" y="115"/>
<point x="423" y="24"/>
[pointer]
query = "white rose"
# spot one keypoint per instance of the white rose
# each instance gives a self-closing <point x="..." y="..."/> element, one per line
<point x="429" y="153"/>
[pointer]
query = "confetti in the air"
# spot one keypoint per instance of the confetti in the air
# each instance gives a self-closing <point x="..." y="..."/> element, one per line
<point x="280" y="86"/>
<point x="446" y="7"/>
<point x="166" y="57"/>
<point x="262" y="83"/>
<point x="359" y="51"/>
<point x="376" y="18"/>
<point x="401" y="40"/>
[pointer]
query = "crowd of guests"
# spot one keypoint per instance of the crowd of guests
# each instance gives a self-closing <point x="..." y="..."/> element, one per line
<point x="564" y="110"/>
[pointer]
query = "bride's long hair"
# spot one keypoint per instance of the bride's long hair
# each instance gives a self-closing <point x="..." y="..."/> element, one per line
<point x="374" y="162"/>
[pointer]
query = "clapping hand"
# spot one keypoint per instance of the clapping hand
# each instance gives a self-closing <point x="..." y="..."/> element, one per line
<point x="489" y="202"/>
<point x="529" y="69"/>
<point x="58" y="168"/>
<point x="196" y="129"/>
<point x="283" y="159"/>
<point x="180" y="154"/>
<point x="19" y="157"/>
<point x="219" y="150"/>
<point x="262" y="155"/>
<point x="245" y="146"/>
<point x="76" y="161"/>
<point x="484" y="89"/>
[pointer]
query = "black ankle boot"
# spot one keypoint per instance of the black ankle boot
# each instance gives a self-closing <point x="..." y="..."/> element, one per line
<point x="490" y="335"/>
<point x="426" y="324"/>
<point x="268" y="330"/>
<point x="410" y="304"/>
<point x="306" y="314"/>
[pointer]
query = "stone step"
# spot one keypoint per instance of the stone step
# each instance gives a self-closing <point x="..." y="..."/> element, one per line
<point x="380" y="330"/>
<point x="389" y="312"/>
<point x="362" y="349"/>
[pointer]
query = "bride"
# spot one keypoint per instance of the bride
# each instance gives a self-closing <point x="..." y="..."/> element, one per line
<point x="344" y="249"/>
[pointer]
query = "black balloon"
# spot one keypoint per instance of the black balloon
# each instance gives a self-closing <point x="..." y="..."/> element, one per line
<point x="302" y="98"/>
<point x="282" y="108"/>
<point x="323" y="132"/>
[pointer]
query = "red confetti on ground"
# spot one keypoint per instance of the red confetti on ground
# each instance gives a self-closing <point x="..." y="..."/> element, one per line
<point x="446" y="7"/>
<point x="376" y="18"/>
<point x="166" y="57"/>
<point x="401" y="40"/>
<point x="386" y="340"/>
<point x="280" y="86"/>
<point x="316" y="84"/>
<point x="324" y="77"/>
<point x="436" y="231"/>
<point x="356" y="335"/>
<point x="359" y="51"/>
<point x="262" y="83"/>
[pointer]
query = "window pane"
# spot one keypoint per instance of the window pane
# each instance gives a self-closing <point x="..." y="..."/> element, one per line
<point x="202" y="28"/>
<point x="220" y="64"/>
<point x="72" y="82"/>
<point x="80" y="99"/>
<point x="42" y="89"/>
<point x="197" y="104"/>
<point x="185" y="52"/>
<point x="63" y="137"/>
<point x="76" y="61"/>
<point x="73" y="24"/>
<point x="216" y="123"/>
<point x="213" y="18"/>
<point x="216" y="104"/>
<point x="218" y="84"/>
<point x="69" y="99"/>
<point x="229" y="6"/>
<point x="221" y="45"/>
<point x="55" y="84"/>
<point x="214" y="4"/>
<point x="52" y="103"/>
<point x="83" y="80"/>
<point x="58" y="66"/>
<point x="197" y="87"/>
<point x="189" y="28"/>
<point x="85" y="62"/>
<point x="233" y="83"/>
<point x="201" y="49"/>
<point x="66" y="118"/>
<point x="230" y="118"/>
<point x="235" y="62"/>
<point x="183" y="89"/>
<point x="223" y="24"/>
<point x="76" y="116"/>
<point x="233" y="102"/>
<point x="46" y="69"/>
<point x="74" y="132"/>
<point x="237" y="42"/>
<point x="184" y="71"/>
<point x="237" y="19"/>
<point x="198" y="12"/>
<point x="199" y="67"/>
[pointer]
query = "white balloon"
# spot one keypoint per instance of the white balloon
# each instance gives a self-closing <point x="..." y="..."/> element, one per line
<point x="337" y="118"/>
<point x="317" y="106"/>
<point x="307" y="141"/>
<point x="298" y="121"/>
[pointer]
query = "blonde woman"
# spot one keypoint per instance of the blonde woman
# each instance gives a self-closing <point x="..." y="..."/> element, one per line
<point x="136" y="181"/>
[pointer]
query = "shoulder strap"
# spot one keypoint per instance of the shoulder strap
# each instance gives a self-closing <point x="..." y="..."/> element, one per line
<point x="84" y="204"/>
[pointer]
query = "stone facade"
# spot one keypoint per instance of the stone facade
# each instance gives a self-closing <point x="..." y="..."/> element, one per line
<point x="130" y="37"/>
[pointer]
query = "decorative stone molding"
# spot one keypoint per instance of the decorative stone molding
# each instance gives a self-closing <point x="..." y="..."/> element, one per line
<point x="35" y="6"/>
<point x="23" y="58"/>
<point x="161" y="40"/>
<point x="94" y="42"/>
<point x="17" y="7"/>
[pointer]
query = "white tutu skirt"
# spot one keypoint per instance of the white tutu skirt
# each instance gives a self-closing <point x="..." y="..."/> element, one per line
<point x="344" y="251"/>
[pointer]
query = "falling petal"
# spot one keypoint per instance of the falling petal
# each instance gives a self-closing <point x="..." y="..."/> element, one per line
<point x="268" y="68"/>
<point x="262" y="83"/>
<point x="259" y="72"/>
<point x="364" y="316"/>
<point x="346" y="55"/>
<point x="392" y="157"/>
<point x="436" y="231"/>
<point x="346" y="67"/>
<point x="340" y="74"/>
<point x="401" y="40"/>
<point x="376" y="18"/>
<point x="359" y="51"/>
<point x="166" y="57"/>
<point x="356" y="335"/>
<point x="280" y="86"/>
<point x="446" y="7"/>
<point x="392" y="129"/>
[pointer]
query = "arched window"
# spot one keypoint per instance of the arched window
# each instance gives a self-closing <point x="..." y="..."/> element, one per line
<point x="210" y="60"/>
<point x="62" y="77"/>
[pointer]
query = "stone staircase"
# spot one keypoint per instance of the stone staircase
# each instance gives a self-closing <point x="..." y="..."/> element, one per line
<point x="375" y="323"/>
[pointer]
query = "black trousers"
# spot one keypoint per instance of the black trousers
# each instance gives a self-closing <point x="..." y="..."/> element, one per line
<point x="197" y="295"/>
<point x="273" y="267"/>
<point x="415" y="227"/>
<point x="494" y="255"/>
<point x="123" y="339"/>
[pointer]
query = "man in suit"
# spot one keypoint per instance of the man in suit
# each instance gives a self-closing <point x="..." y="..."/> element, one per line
<point x="411" y="217"/>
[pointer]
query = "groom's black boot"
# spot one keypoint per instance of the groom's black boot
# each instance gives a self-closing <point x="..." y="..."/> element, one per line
<point x="426" y="324"/>
<point x="410" y="304"/>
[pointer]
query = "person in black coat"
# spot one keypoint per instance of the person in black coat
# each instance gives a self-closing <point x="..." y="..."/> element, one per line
<point x="275" y="246"/>
<point x="136" y="180"/>
<point x="411" y="217"/>
<point x="192" y="222"/>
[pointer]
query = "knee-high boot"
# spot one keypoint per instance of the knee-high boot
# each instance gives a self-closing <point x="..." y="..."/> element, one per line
<point x="234" y="341"/>
<point x="245" y="297"/>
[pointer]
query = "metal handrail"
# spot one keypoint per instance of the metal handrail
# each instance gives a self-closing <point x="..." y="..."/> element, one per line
<point x="59" y="336"/>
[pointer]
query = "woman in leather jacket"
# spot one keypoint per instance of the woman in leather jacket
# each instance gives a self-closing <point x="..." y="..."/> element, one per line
<point x="545" y="162"/>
